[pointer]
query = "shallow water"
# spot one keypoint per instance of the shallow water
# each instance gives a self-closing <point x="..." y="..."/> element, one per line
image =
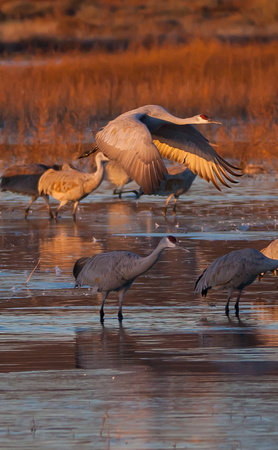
<point x="178" y="373"/>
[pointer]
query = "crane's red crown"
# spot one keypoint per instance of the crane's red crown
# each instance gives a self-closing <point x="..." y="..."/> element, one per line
<point x="204" y="117"/>
<point x="172" y="239"/>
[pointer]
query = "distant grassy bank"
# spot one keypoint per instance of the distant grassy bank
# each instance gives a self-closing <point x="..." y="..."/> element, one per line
<point x="53" y="103"/>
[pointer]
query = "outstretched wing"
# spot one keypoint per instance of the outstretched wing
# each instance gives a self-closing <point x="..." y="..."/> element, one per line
<point x="129" y="142"/>
<point x="186" y="145"/>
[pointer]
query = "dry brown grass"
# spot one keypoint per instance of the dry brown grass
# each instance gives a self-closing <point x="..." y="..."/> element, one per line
<point x="47" y="109"/>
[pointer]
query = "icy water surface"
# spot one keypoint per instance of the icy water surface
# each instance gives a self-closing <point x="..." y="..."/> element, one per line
<point x="177" y="373"/>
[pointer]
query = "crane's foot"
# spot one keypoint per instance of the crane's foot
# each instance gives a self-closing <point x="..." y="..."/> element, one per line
<point x="116" y="192"/>
<point x="101" y="316"/>
<point x="120" y="316"/>
<point x="227" y="310"/>
<point x="137" y="194"/>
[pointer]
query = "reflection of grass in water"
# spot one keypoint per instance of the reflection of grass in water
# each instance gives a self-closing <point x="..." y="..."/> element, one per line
<point x="52" y="106"/>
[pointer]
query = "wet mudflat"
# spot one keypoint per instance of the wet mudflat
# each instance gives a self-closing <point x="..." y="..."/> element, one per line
<point x="177" y="373"/>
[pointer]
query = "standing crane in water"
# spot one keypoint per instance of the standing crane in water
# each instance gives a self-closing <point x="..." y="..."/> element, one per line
<point x="177" y="182"/>
<point x="71" y="185"/>
<point x="234" y="271"/>
<point x="138" y="140"/>
<point x="117" y="270"/>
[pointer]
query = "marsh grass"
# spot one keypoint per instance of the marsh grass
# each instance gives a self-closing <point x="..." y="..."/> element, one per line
<point x="50" y="108"/>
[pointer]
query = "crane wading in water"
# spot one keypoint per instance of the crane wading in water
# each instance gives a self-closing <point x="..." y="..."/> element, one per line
<point x="234" y="271"/>
<point x="139" y="139"/>
<point x="177" y="182"/>
<point x="71" y="185"/>
<point x="116" y="271"/>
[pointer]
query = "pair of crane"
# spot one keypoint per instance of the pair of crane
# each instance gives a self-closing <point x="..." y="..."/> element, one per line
<point x="116" y="271"/>
<point x="136" y="141"/>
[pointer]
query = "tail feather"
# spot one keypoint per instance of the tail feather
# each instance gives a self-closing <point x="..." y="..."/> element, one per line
<point x="203" y="290"/>
<point x="78" y="266"/>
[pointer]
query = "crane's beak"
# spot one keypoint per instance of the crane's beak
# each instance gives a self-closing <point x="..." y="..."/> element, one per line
<point x="214" y="121"/>
<point x="88" y="152"/>
<point x="180" y="247"/>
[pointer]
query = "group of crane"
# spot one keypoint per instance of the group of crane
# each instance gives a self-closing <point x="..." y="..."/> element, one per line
<point x="132" y="148"/>
<point x="134" y="145"/>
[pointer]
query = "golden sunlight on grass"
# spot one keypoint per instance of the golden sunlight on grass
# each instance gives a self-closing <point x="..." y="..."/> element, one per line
<point x="49" y="106"/>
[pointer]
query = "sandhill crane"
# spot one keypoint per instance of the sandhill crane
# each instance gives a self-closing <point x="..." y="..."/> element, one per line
<point x="23" y="179"/>
<point x="177" y="182"/>
<point x="139" y="139"/>
<point x="117" y="270"/>
<point x="71" y="185"/>
<point x="234" y="271"/>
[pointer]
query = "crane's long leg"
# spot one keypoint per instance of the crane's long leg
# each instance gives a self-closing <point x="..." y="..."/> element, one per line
<point x="33" y="199"/>
<point x="120" y="192"/>
<point x="101" y="312"/>
<point x="227" y="306"/>
<point x="175" y="205"/>
<point x="74" y="210"/>
<point x="167" y="203"/>
<point x="63" y="203"/>
<point x="237" y="303"/>
<point x="121" y="297"/>
<point x="230" y="293"/>
<point x="46" y="199"/>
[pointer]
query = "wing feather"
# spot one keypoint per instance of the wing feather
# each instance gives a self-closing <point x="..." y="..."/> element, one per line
<point x="186" y="145"/>
<point x="128" y="141"/>
<point x="212" y="178"/>
<point x="220" y="168"/>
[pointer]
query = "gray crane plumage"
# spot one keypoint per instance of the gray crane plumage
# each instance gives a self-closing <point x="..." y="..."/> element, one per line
<point x="234" y="271"/>
<point x="23" y="179"/>
<point x="177" y="182"/>
<point x="139" y="139"/>
<point x="117" y="270"/>
<point x="71" y="185"/>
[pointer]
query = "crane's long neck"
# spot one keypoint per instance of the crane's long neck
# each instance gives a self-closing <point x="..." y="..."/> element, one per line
<point x="147" y="262"/>
<point x="272" y="264"/>
<point x="94" y="179"/>
<point x="153" y="123"/>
